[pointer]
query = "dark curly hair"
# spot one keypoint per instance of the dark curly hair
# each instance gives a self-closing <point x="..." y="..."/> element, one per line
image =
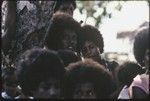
<point x="127" y="71"/>
<point x="91" y="71"/>
<point x="60" y="22"/>
<point x="92" y="34"/>
<point x="61" y="2"/>
<point x="68" y="56"/>
<point x="141" y="44"/>
<point x="37" y="65"/>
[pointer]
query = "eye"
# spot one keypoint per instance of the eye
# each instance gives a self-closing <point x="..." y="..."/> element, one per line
<point x="91" y="47"/>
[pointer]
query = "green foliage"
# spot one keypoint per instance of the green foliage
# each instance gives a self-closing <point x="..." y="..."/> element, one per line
<point x="89" y="6"/>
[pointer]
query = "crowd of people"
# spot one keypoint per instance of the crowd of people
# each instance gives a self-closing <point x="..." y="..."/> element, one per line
<point x="70" y="65"/>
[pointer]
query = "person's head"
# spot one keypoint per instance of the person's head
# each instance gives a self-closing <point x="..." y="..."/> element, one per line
<point x="87" y="79"/>
<point x="92" y="43"/>
<point x="68" y="56"/>
<point x="40" y="72"/>
<point x="127" y="71"/>
<point x="141" y="47"/>
<point x="66" y="6"/>
<point x="9" y="81"/>
<point x="63" y="33"/>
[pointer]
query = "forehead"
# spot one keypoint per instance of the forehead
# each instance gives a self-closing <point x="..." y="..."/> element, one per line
<point x="51" y="80"/>
<point x="87" y="43"/>
<point x="69" y="32"/>
<point x="85" y="85"/>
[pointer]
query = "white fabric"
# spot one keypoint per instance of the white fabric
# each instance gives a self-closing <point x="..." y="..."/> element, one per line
<point x="142" y="81"/>
<point x="5" y="95"/>
<point x="124" y="93"/>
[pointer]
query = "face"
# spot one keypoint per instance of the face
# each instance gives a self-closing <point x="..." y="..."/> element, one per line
<point x="69" y="40"/>
<point x="90" y="50"/>
<point x="84" y="91"/>
<point x="68" y="8"/>
<point x="48" y="89"/>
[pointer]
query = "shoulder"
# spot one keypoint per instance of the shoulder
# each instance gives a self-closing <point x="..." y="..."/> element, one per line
<point x="142" y="82"/>
<point x="124" y="93"/>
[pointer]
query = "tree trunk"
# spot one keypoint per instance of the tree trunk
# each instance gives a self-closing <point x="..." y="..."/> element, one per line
<point x="9" y="27"/>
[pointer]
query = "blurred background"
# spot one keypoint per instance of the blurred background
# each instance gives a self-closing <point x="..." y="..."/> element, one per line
<point x="118" y="22"/>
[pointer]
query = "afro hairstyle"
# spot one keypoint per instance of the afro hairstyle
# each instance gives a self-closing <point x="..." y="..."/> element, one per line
<point x="127" y="71"/>
<point x="60" y="22"/>
<point x="87" y="71"/>
<point x="141" y="44"/>
<point x="61" y="2"/>
<point x="68" y="56"/>
<point x="37" y="65"/>
<point x="92" y="34"/>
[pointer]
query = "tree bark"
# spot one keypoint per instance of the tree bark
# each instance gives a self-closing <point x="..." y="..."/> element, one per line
<point x="24" y="27"/>
<point x="9" y="27"/>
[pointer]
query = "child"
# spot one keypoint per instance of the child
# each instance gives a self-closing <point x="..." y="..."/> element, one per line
<point x="40" y="74"/>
